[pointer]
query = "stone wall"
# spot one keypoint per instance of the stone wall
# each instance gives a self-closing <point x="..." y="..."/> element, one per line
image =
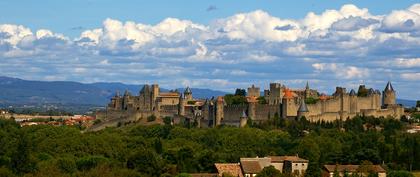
<point x="233" y="112"/>
<point x="262" y="111"/>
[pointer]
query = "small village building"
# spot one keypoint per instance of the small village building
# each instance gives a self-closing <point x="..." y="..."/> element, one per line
<point x="328" y="170"/>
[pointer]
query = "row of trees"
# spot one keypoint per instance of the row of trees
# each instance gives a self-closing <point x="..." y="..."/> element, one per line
<point x="168" y="150"/>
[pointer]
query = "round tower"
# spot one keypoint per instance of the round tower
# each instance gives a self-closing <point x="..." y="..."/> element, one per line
<point x="303" y="110"/>
<point x="353" y="101"/>
<point x="388" y="95"/>
<point x="219" y="110"/>
<point x="243" y="119"/>
<point x="181" y="105"/>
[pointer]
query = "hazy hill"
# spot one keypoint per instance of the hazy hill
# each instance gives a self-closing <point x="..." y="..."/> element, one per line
<point x="15" y="91"/>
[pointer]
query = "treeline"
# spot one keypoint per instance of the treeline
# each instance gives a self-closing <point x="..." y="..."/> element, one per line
<point x="165" y="150"/>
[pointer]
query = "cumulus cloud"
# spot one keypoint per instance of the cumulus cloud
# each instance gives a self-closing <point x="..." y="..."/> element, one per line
<point x="341" y="70"/>
<point x="348" y="44"/>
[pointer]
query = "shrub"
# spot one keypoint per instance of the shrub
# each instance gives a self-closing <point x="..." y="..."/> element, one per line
<point x="151" y="118"/>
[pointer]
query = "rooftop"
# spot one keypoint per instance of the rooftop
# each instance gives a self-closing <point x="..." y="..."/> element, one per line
<point x="233" y="169"/>
<point x="352" y="168"/>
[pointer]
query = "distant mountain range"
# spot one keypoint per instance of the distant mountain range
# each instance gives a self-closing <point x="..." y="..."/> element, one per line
<point x="15" y="91"/>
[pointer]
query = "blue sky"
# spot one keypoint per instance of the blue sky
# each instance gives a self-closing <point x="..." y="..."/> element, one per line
<point x="70" y="17"/>
<point x="215" y="44"/>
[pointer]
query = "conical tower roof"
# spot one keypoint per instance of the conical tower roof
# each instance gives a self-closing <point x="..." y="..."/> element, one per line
<point x="352" y="92"/>
<point x="188" y="90"/>
<point x="389" y="87"/>
<point x="244" y="114"/>
<point x="303" y="107"/>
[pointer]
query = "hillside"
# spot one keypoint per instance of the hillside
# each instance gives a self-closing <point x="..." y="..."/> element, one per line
<point x="14" y="91"/>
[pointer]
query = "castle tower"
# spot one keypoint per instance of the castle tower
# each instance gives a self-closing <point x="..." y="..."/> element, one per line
<point x="323" y="98"/>
<point x="254" y="91"/>
<point x="372" y="96"/>
<point x="388" y="95"/>
<point x="126" y="100"/>
<point x="303" y="110"/>
<point x="155" y="92"/>
<point x="353" y="101"/>
<point x="188" y="94"/>
<point x="181" y="105"/>
<point x="276" y="94"/>
<point x="147" y="98"/>
<point x="219" y="110"/>
<point x="252" y="103"/>
<point x="243" y="119"/>
<point x="378" y="99"/>
<point x="287" y="103"/>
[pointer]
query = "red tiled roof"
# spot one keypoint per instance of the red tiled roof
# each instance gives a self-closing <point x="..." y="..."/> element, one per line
<point x="352" y="168"/>
<point x="288" y="93"/>
<point x="233" y="169"/>
<point x="250" y="166"/>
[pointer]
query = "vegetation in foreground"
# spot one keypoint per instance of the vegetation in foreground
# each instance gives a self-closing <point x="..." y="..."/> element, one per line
<point x="169" y="150"/>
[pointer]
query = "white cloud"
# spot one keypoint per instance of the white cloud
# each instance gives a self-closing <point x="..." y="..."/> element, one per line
<point x="347" y="44"/>
<point x="406" y="62"/>
<point x="342" y="71"/>
<point x="411" y="76"/>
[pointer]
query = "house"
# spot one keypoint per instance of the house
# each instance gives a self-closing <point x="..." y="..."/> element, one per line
<point x="233" y="169"/>
<point x="252" y="166"/>
<point x="285" y="164"/>
<point x="328" y="170"/>
<point x="290" y="164"/>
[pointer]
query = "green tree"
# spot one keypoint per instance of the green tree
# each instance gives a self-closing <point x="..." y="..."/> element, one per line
<point x="399" y="173"/>
<point x="145" y="161"/>
<point x="261" y="100"/>
<point x="269" y="171"/>
<point x="240" y="92"/>
<point x="21" y="160"/>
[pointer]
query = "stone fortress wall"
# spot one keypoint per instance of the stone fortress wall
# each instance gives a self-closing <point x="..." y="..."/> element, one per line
<point x="285" y="102"/>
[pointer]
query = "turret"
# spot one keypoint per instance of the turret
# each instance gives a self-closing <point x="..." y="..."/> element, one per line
<point x="219" y="110"/>
<point x="287" y="103"/>
<point x="188" y="94"/>
<point x="181" y="105"/>
<point x="353" y="101"/>
<point x="303" y="110"/>
<point x="253" y="91"/>
<point x="243" y="119"/>
<point x="388" y="95"/>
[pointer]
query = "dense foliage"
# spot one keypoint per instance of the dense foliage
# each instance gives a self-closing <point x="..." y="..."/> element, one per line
<point x="168" y="150"/>
<point x="237" y="99"/>
<point x="311" y="100"/>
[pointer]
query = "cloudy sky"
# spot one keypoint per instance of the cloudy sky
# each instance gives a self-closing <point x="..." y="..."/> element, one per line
<point x="215" y="44"/>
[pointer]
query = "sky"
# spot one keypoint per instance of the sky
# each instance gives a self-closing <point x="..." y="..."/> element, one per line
<point x="218" y="44"/>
